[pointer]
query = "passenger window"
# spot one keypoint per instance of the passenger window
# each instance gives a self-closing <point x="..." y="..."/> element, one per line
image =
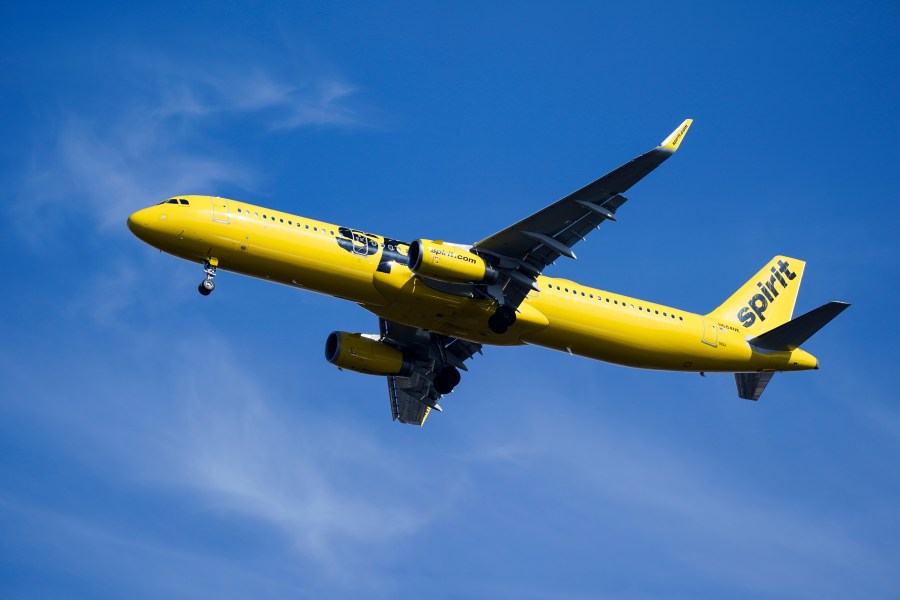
<point x="290" y="222"/>
<point x="281" y="220"/>
<point x="315" y="228"/>
<point x="307" y="226"/>
<point x="239" y="210"/>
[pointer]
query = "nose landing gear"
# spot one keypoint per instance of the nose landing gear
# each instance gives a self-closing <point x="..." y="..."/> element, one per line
<point x="207" y="285"/>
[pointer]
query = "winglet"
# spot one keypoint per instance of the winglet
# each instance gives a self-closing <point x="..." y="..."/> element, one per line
<point x="671" y="143"/>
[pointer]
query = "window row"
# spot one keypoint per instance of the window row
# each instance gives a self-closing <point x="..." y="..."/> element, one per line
<point x="615" y="302"/>
<point x="299" y="224"/>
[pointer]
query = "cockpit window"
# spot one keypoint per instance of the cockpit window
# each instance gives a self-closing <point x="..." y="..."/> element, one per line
<point x="183" y="201"/>
<point x="172" y="201"/>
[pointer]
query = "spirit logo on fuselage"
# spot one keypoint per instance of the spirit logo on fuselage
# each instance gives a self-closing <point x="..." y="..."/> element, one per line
<point x="368" y="244"/>
<point x="760" y="302"/>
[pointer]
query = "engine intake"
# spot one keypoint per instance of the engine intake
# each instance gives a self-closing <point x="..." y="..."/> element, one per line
<point x="362" y="354"/>
<point x="446" y="262"/>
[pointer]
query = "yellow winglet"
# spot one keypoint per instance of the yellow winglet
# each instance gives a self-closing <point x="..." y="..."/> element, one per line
<point x="671" y="143"/>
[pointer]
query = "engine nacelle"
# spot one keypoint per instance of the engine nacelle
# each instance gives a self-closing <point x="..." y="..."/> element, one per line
<point x="362" y="354"/>
<point x="446" y="262"/>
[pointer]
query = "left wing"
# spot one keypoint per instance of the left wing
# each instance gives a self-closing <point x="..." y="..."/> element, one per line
<point x="436" y="360"/>
<point x="526" y="248"/>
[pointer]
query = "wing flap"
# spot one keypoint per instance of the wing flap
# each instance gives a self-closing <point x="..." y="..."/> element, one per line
<point x="405" y="407"/>
<point x="414" y="396"/>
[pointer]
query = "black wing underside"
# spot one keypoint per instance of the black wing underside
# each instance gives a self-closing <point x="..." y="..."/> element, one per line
<point x="536" y="242"/>
<point x="414" y="397"/>
<point x="521" y="252"/>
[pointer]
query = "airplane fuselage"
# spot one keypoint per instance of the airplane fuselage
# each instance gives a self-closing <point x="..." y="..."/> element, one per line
<point x="372" y="271"/>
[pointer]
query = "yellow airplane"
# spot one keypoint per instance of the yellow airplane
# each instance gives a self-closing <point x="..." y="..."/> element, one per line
<point x="438" y="302"/>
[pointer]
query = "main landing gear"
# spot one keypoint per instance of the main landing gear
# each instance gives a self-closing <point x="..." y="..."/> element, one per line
<point x="446" y="380"/>
<point x="207" y="285"/>
<point x="502" y="320"/>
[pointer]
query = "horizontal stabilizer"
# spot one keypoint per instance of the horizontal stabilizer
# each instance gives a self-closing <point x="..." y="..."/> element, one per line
<point x="750" y="386"/>
<point x="792" y="334"/>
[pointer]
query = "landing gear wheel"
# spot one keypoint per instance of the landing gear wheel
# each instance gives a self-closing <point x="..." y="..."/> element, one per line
<point x="446" y="379"/>
<point x="502" y="320"/>
<point x="206" y="287"/>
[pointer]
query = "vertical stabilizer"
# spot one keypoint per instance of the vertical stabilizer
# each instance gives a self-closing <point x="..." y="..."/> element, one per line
<point x="766" y="300"/>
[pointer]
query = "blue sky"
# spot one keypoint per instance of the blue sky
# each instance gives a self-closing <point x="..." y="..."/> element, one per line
<point x="154" y="443"/>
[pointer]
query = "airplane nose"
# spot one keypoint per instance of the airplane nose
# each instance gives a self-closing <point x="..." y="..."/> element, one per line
<point x="138" y="222"/>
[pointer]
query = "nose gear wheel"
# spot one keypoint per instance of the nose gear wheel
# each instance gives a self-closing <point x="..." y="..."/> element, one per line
<point x="208" y="285"/>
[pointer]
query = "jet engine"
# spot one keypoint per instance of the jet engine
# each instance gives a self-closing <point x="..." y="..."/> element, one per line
<point x="447" y="262"/>
<point x="365" y="354"/>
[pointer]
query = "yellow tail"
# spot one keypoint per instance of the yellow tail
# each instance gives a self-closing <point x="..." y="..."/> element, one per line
<point x="767" y="299"/>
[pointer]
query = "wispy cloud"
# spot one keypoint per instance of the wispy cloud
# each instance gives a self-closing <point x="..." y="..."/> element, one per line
<point x="106" y="560"/>
<point x="159" y="132"/>
<point x="321" y="99"/>
<point x="330" y="489"/>
<point x="688" y="504"/>
<point x="234" y="451"/>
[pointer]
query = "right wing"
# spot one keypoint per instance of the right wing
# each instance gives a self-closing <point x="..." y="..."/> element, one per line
<point x="436" y="356"/>
<point x="526" y="248"/>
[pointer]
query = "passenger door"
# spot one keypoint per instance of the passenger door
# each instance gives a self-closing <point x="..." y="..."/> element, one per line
<point x="220" y="211"/>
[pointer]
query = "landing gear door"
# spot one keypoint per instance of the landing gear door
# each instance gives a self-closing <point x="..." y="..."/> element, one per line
<point x="220" y="211"/>
<point x="710" y="332"/>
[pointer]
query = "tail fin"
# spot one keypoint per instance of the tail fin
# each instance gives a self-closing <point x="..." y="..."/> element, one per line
<point x="767" y="299"/>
